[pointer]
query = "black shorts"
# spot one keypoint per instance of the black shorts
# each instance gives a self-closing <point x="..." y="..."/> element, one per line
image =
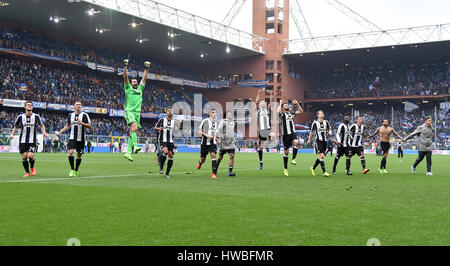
<point x="27" y="147"/>
<point x="321" y="146"/>
<point x="170" y="146"/>
<point x="288" y="140"/>
<point x="358" y="151"/>
<point x="76" y="145"/>
<point x="205" y="149"/>
<point x="223" y="152"/>
<point x="385" y="146"/>
<point x="341" y="151"/>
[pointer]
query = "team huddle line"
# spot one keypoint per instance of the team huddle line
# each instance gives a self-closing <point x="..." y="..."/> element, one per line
<point x="222" y="134"/>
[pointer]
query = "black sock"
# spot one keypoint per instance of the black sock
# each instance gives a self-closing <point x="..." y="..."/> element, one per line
<point x="218" y="163"/>
<point x="200" y="162"/>
<point x="214" y="166"/>
<point x="71" y="162"/>
<point x="294" y="153"/>
<point x="159" y="158"/>
<point x="383" y="163"/>
<point x="163" y="160"/>
<point x="322" y="164"/>
<point x="25" y="165"/>
<point x="230" y="169"/>
<point x="77" y="164"/>
<point x="347" y="164"/>
<point x="285" y="159"/>
<point x="336" y="160"/>
<point x="363" y="162"/>
<point x="260" y="155"/>
<point x="31" y="163"/>
<point x="316" y="164"/>
<point x="169" y="165"/>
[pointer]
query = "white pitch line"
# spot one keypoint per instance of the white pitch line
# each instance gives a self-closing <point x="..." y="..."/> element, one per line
<point x="96" y="177"/>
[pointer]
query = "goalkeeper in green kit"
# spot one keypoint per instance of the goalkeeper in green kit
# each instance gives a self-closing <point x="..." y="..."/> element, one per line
<point x="132" y="106"/>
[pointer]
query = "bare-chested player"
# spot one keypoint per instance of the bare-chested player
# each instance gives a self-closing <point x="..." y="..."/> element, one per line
<point x="385" y="132"/>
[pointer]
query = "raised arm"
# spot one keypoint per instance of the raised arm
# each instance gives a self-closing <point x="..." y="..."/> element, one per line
<point x="396" y="134"/>
<point x="125" y="72"/>
<point x="280" y="106"/>
<point x="299" y="108"/>
<point x="373" y="134"/>
<point x="272" y="98"/>
<point x="258" y="98"/>
<point x="144" y="78"/>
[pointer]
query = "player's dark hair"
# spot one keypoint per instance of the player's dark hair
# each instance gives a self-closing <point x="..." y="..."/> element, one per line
<point x="77" y="101"/>
<point x="317" y="113"/>
<point x="28" y="102"/>
<point x="427" y="118"/>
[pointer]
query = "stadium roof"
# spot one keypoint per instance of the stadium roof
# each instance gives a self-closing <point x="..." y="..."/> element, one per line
<point x="76" y="23"/>
<point x="376" y="56"/>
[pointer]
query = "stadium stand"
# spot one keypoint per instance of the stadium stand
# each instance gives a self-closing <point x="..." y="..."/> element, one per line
<point x="427" y="79"/>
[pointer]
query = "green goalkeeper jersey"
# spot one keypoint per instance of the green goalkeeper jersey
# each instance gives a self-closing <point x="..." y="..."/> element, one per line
<point x="133" y="98"/>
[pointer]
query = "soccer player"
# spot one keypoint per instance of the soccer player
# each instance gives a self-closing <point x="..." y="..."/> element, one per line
<point x="228" y="143"/>
<point x="133" y="107"/>
<point x="425" y="147"/>
<point x="288" y="131"/>
<point x="167" y="127"/>
<point x="28" y="123"/>
<point x="400" y="150"/>
<point x="264" y="128"/>
<point x="321" y="130"/>
<point x="208" y="130"/>
<point x="343" y="140"/>
<point x="385" y="132"/>
<point x="357" y="134"/>
<point x="77" y="123"/>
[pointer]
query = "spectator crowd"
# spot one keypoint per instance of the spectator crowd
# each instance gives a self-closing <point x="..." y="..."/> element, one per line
<point x="430" y="79"/>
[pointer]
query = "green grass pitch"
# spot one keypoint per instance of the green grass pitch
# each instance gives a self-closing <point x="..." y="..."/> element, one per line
<point x="116" y="202"/>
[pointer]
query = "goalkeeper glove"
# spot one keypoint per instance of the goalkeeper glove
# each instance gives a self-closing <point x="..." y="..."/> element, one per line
<point x="125" y="62"/>
<point x="147" y="65"/>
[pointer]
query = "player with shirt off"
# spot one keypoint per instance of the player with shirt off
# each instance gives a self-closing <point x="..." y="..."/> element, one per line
<point x="133" y="107"/>
<point x="77" y="123"/>
<point x="385" y="132"/>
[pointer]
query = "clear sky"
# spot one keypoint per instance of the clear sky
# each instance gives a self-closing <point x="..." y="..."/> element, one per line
<point x="324" y="19"/>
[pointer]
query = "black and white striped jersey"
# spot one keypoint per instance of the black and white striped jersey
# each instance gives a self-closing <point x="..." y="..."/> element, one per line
<point x="356" y="134"/>
<point x="320" y="130"/>
<point x="209" y="127"/>
<point x="28" y="128"/>
<point x="76" y="129"/>
<point x="263" y="119"/>
<point x="343" y="135"/>
<point x="287" y="123"/>
<point x="169" y="128"/>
